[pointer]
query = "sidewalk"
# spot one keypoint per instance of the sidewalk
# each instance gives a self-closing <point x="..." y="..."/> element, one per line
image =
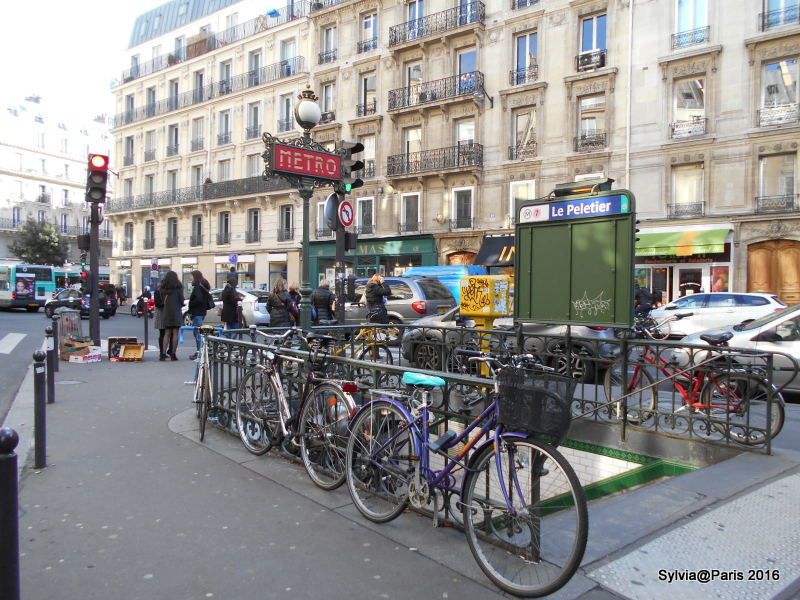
<point x="132" y="506"/>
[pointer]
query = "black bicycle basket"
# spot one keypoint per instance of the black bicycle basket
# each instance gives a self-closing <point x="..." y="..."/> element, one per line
<point x="536" y="402"/>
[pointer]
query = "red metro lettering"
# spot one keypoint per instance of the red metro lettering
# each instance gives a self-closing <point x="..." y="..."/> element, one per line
<point x="306" y="162"/>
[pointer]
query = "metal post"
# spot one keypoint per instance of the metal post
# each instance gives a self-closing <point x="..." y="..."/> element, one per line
<point x="306" y="191"/>
<point x="39" y="412"/>
<point x="94" y="274"/>
<point x="624" y="407"/>
<point x="9" y="516"/>
<point x="56" y="343"/>
<point x="51" y="359"/>
<point x="145" y="318"/>
<point x="339" y="283"/>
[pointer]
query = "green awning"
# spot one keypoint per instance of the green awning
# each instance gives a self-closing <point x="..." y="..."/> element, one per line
<point x="682" y="243"/>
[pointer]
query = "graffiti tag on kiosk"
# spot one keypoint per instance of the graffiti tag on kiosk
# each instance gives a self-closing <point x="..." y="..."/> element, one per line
<point x="591" y="307"/>
<point x="475" y="295"/>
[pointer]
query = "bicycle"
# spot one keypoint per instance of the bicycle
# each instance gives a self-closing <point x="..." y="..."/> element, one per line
<point x="369" y="344"/>
<point x="522" y="505"/>
<point x="731" y="398"/>
<point x="320" y="426"/>
<point x="646" y="327"/>
<point x="204" y="398"/>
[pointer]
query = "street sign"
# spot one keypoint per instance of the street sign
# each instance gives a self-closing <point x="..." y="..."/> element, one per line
<point x="154" y="266"/>
<point x="346" y="213"/>
<point x="233" y="259"/>
<point x="296" y="160"/>
<point x="616" y="204"/>
<point x="330" y="211"/>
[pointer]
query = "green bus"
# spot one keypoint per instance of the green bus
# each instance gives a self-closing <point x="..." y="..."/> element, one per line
<point x="26" y="286"/>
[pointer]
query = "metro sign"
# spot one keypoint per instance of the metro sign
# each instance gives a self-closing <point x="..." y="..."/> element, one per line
<point x="294" y="160"/>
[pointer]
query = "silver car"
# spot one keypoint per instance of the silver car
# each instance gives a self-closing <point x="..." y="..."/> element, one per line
<point x="252" y="302"/>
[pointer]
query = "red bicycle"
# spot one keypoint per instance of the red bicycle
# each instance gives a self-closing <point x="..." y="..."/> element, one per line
<point x="734" y="400"/>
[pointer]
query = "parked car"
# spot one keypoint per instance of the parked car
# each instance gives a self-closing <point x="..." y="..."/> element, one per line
<point x="412" y="298"/>
<point x="716" y="309"/>
<point x="75" y="300"/>
<point x="773" y="332"/>
<point x="253" y="303"/>
<point x="423" y="347"/>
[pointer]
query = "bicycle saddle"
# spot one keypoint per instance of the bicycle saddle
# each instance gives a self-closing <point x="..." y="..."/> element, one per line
<point x="321" y="337"/>
<point x="419" y="380"/>
<point x="716" y="339"/>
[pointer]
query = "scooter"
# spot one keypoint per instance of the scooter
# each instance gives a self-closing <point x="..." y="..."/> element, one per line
<point x="136" y="309"/>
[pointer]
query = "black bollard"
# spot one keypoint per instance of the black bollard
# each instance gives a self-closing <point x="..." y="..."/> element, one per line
<point x="51" y="361"/>
<point x="146" y="329"/>
<point x="39" y="412"/>
<point x="9" y="516"/>
<point x="56" y="343"/>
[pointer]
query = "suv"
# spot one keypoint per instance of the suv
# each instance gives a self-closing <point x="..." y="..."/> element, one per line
<point x="76" y="300"/>
<point x="412" y="298"/>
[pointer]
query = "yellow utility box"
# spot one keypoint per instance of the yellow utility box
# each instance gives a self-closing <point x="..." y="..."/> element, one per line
<point x="486" y="296"/>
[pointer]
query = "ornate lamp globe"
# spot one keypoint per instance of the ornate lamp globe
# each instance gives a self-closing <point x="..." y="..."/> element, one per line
<point x="307" y="112"/>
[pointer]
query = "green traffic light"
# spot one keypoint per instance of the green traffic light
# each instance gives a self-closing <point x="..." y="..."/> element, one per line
<point x="348" y="187"/>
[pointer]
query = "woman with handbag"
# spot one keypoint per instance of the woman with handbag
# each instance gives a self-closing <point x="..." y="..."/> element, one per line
<point x="171" y="291"/>
<point x="158" y="323"/>
<point x="280" y="306"/>
<point x="230" y="304"/>
<point x="377" y="292"/>
<point x="200" y="302"/>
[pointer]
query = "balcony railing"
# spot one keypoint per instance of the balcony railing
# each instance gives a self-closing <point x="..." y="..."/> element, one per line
<point x="466" y="84"/>
<point x="10" y="223"/>
<point x="172" y="150"/>
<point x="127" y="245"/>
<point x="784" y="203"/>
<point x="327" y="56"/>
<point x="261" y="76"/>
<point x="198" y="144"/>
<point x="285" y="234"/>
<point x="295" y="10"/>
<point x="593" y="59"/>
<point x="409" y="227"/>
<point x="366" y="229"/>
<point x="149" y="155"/>
<point x="127" y="160"/>
<point x="590" y="142"/>
<point x="781" y="114"/>
<point x="196" y="239"/>
<point x="223" y="138"/>
<point x="172" y="241"/>
<point x="368" y="172"/>
<point x="522" y="151"/>
<point x="320" y="4"/>
<point x="693" y="37"/>
<point x="252" y="235"/>
<point x="149" y="243"/>
<point x="518" y="4"/>
<point x="366" y="109"/>
<point x="523" y="76"/>
<point x="462" y="223"/>
<point x="437" y="23"/>
<point x="197" y="194"/>
<point x="253" y="132"/>
<point x="43" y="198"/>
<point x="366" y="45"/>
<point x="223" y="237"/>
<point x="684" y="129"/>
<point x="687" y="209"/>
<point x="452" y="157"/>
<point x="777" y="18"/>
<point x="285" y="125"/>
<point x="329" y="116"/>
<point x="324" y="233"/>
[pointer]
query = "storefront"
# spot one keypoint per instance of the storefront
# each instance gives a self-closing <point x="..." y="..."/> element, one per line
<point x="497" y="254"/>
<point x="188" y="264"/>
<point x="386" y="256"/>
<point x="245" y="268"/>
<point x="151" y="278"/>
<point x="123" y="276"/>
<point x="674" y="262"/>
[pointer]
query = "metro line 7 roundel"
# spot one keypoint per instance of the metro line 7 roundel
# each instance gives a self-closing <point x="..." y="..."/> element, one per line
<point x="346" y="213"/>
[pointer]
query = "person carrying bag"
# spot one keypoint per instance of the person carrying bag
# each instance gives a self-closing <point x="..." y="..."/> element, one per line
<point x="281" y="308"/>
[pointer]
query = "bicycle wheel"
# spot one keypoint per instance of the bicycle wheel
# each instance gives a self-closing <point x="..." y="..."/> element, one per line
<point x="642" y="395"/>
<point x="256" y="411"/>
<point x="323" y="433"/>
<point x="536" y="549"/>
<point x="377" y="353"/>
<point x="738" y="407"/>
<point x="378" y="461"/>
<point x="656" y="330"/>
<point x="204" y="404"/>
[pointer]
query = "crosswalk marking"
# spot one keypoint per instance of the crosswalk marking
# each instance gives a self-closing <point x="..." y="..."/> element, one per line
<point x="10" y="341"/>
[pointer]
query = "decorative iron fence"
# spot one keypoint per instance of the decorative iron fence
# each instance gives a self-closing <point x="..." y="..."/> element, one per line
<point x="687" y="209"/>
<point x="285" y="234"/>
<point x="253" y="132"/>
<point x="438" y="23"/>
<point x="328" y="56"/>
<point x="366" y="109"/>
<point x="366" y="45"/>
<point x="149" y="243"/>
<point x="465" y="84"/>
<point x="172" y="150"/>
<point x="522" y="151"/>
<point x="782" y="203"/>
<point x="590" y="142"/>
<point x="149" y="155"/>
<point x="223" y="237"/>
<point x="684" y="129"/>
<point x="198" y="144"/>
<point x="693" y="37"/>
<point x="522" y="76"/>
<point x="462" y="223"/>
<point x="777" y="18"/>
<point x="452" y="157"/>
<point x="252" y="235"/>
<point x="782" y="114"/>
<point x="196" y="240"/>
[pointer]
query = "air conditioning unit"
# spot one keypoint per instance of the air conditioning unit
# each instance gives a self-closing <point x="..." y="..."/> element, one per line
<point x="591" y="60"/>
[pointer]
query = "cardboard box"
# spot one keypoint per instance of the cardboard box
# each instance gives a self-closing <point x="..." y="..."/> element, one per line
<point x="94" y="355"/>
<point x="72" y="348"/>
<point x="115" y="345"/>
<point x="131" y="353"/>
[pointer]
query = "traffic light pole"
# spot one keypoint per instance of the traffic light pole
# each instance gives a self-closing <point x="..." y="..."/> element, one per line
<point x="306" y="192"/>
<point x="339" y="283"/>
<point x="94" y="274"/>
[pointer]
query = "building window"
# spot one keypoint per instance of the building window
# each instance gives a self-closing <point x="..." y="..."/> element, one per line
<point x="127" y="188"/>
<point x="689" y="108"/>
<point x="254" y="68"/>
<point x="16" y="216"/>
<point x="328" y="43"/>
<point x="523" y="144"/>
<point x="777" y="182"/>
<point x="328" y="99"/>
<point x="285" y="119"/>
<point x="593" y="33"/>
<point x="526" y="67"/>
<point x="285" y="222"/>
<point x="231" y="20"/>
<point x="779" y="93"/>
<point x="255" y="165"/>
<point x="173" y="134"/>
<point x="412" y="139"/>
<point x="691" y="14"/>
<point x="128" y="157"/>
<point x="65" y="197"/>
<point x="369" y="33"/>
<point x="410" y="216"/>
<point x="253" y="232"/>
<point x="224" y="130"/>
<point x="688" y="190"/>
<point x="366" y="216"/>
<point x="465" y="131"/>
<point x="64" y="223"/>
<point x="780" y="12"/>
<point x="197" y="175"/>
<point x="367" y="96"/>
<point x="197" y="230"/>
<point x="413" y="73"/>
<point x="253" y="120"/>
<point x="172" y="180"/>
<point x="591" y="123"/>
<point x="322" y="227"/>
<point x="198" y="133"/>
<point x="128" y="236"/>
<point x="149" y="234"/>
<point x="520" y="191"/>
<point x="462" y="209"/>
<point x="224" y="228"/>
<point x="223" y="170"/>
<point x="225" y="74"/>
<point x="172" y="232"/>
<point x="150" y="103"/>
<point x="149" y="184"/>
<point x="369" y="155"/>
<point x="180" y="48"/>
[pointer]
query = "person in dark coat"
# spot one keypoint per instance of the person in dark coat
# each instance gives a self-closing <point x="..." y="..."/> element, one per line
<point x="232" y="273"/>
<point x="230" y="304"/>
<point x="377" y="291"/>
<point x="171" y="291"/>
<point x="199" y="302"/>
<point x="643" y="301"/>
<point x="322" y="300"/>
<point x="294" y="294"/>
<point x="280" y="305"/>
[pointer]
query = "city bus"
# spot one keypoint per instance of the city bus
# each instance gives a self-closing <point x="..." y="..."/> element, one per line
<point x="25" y="286"/>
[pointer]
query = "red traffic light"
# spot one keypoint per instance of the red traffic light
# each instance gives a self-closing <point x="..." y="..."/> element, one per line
<point x="98" y="162"/>
<point x="84" y="275"/>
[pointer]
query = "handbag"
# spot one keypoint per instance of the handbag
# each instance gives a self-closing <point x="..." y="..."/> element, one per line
<point x="210" y="304"/>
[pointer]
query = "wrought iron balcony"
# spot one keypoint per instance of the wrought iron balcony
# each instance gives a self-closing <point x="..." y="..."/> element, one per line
<point x="366" y="109"/>
<point x="127" y="160"/>
<point x="593" y="141"/>
<point x="522" y="151"/>
<point x="409" y="227"/>
<point x="466" y="84"/>
<point x="223" y="237"/>
<point x="320" y="4"/>
<point x="127" y="245"/>
<point x="149" y="243"/>
<point x="329" y="116"/>
<point x="196" y="240"/>
<point x="327" y="56"/>
<point x="777" y="18"/>
<point x="693" y="37"/>
<point x="10" y="224"/>
<point x="285" y="125"/>
<point x="368" y="172"/>
<point x="782" y="114"/>
<point x="686" y="209"/>
<point x="43" y="198"/>
<point x="462" y="223"/>
<point x="223" y="138"/>
<point x="518" y="4"/>
<point x="366" y="229"/>
<point x="198" y="144"/>
<point x="783" y="203"/>
<point x="150" y="110"/>
<point x="437" y="23"/>
<point x="324" y="233"/>
<point x="685" y="129"/>
<point x="172" y="150"/>
<point x="149" y="155"/>
<point x="523" y="76"/>
<point x="452" y="157"/>
<point x="253" y="132"/>
<point x="595" y="59"/>
<point x="366" y="45"/>
<point x="285" y="234"/>
<point x="172" y="241"/>
<point x="252" y="235"/>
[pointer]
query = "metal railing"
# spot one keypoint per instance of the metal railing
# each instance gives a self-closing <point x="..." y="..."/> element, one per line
<point x="223" y="138"/>
<point x="127" y="245"/>
<point x="782" y="203"/>
<point x="682" y="39"/>
<point x="590" y="142"/>
<point x="465" y="84"/>
<point x="198" y="144"/>
<point x="781" y="114"/>
<point x="252" y="235"/>
<point x="285" y="234"/>
<point x="324" y="233"/>
<point x="366" y="229"/>
<point x="328" y="56"/>
<point x="321" y="4"/>
<point x="594" y="59"/>
<point x="366" y="45"/>
<point x="149" y="243"/>
<point x="437" y="23"/>
<point x="684" y="129"/>
<point x="149" y="155"/>
<point x="196" y="239"/>
<point x="172" y="150"/>
<point x="329" y="116"/>
<point x="522" y="76"/>
<point x="462" y="223"/>
<point x="127" y="160"/>
<point x="777" y="18"/>
<point x="522" y="151"/>
<point x="43" y="198"/>
<point x="368" y="172"/>
<point x="410" y="227"/>
<point x="10" y="224"/>
<point x="686" y="209"/>
<point x="172" y="241"/>
<point x="285" y="125"/>
<point x="518" y="4"/>
<point x="252" y="132"/>
<point x="452" y="157"/>
<point x="223" y="237"/>
<point x="366" y="109"/>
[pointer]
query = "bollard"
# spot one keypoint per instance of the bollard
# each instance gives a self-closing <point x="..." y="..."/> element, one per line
<point x="56" y="343"/>
<point x="51" y="361"/>
<point x="39" y="413"/>
<point x="146" y="330"/>
<point x="9" y="516"/>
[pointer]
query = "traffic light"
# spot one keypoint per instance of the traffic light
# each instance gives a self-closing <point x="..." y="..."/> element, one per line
<point x="84" y="243"/>
<point x="97" y="178"/>
<point x="83" y="261"/>
<point x="350" y="166"/>
<point x="350" y="241"/>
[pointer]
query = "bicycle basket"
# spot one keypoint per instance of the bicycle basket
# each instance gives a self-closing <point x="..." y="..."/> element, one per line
<point x="535" y="402"/>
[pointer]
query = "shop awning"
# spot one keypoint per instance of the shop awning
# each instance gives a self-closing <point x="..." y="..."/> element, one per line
<point x="496" y="251"/>
<point x="682" y="243"/>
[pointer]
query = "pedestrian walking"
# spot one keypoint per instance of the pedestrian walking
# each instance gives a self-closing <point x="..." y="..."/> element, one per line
<point x="322" y="302"/>
<point x="643" y="301"/>
<point x="232" y="273"/>
<point x="377" y="292"/>
<point x="122" y="294"/>
<point x="230" y="303"/>
<point x="200" y="302"/>
<point x="158" y="323"/>
<point x="280" y="306"/>
<point x="294" y="294"/>
<point x="171" y="290"/>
